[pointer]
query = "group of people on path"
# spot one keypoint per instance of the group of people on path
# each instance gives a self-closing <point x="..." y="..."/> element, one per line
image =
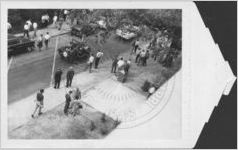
<point x="72" y="103"/>
<point x="57" y="79"/>
<point x="69" y="77"/>
<point x="94" y="59"/>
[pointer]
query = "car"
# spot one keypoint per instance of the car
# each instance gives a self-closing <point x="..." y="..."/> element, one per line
<point x="18" y="45"/>
<point x="76" y="51"/>
<point x="86" y="29"/>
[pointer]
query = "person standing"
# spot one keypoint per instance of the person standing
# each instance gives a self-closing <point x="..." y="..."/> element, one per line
<point x="69" y="76"/>
<point x="120" y="64"/>
<point x="90" y="62"/>
<point x="142" y="58"/>
<point x="39" y="102"/>
<point x="138" y="55"/>
<point x="136" y="45"/>
<point x="114" y="65"/>
<point x="40" y="42"/>
<point x="26" y="30"/>
<point x="47" y="38"/>
<point x="98" y="57"/>
<point x="58" y="74"/>
<point x="29" y="24"/>
<point x="55" y="18"/>
<point x="35" y="26"/>
<point x="67" y="102"/>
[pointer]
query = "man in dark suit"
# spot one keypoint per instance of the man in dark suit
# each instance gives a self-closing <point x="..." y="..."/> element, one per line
<point x="69" y="76"/>
<point x="67" y="102"/>
<point x="58" y="74"/>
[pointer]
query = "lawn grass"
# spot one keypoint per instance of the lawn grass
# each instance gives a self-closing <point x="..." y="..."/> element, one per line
<point x="90" y="124"/>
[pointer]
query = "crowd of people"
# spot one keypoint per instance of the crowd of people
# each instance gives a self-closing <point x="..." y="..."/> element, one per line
<point x="157" y="48"/>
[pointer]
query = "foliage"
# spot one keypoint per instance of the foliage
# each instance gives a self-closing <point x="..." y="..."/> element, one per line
<point x="18" y="17"/>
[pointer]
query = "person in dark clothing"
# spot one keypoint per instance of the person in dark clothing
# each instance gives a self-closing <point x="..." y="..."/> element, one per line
<point x="147" y="55"/>
<point x="67" y="102"/>
<point x="127" y="66"/>
<point x="58" y="74"/>
<point x="69" y="76"/>
<point x="39" y="102"/>
<point x="114" y="65"/>
<point x="98" y="57"/>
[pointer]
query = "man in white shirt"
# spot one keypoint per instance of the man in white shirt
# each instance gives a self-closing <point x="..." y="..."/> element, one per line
<point x="90" y="62"/>
<point x="98" y="57"/>
<point x="26" y="30"/>
<point x="47" y="38"/>
<point x="55" y="18"/>
<point x="120" y="64"/>
<point x="29" y="23"/>
<point x="35" y="26"/>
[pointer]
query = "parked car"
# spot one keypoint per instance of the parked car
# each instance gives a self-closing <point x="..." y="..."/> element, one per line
<point x="87" y="29"/>
<point x="18" y="45"/>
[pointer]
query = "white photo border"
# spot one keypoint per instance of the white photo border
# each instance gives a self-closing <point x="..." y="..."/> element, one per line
<point x="185" y="141"/>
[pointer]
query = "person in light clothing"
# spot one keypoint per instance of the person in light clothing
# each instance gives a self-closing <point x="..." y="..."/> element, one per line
<point x="151" y="91"/>
<point x="98" y="57"/>
<point x="120" y="64"/>
<point x="90" y="62"/>
<point x="55" y="18"/>
<point x="26" y="30"/>
<point x="29" y="24"/>
<point x="35" y="26"/>
<point x="47" y="38"/>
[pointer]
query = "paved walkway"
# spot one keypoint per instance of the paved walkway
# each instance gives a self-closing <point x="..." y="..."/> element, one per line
<point x="20" y="111"/>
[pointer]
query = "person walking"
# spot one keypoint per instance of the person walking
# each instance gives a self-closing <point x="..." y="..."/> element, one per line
<point x="67" y="102"/>
<point x="127" y="66"/>
<point x="114" y="64"/>
<point x="58" y="74"/>
<point x="26" y="30"/>
<point x="47" y="38"/>
<point x="40" y="42"/>
<point x="98" y="57"/>
<point x="61" y="20"/>
<point x="90" y="62"/>
<point x="69" y="76"/>
<point x="35" y="26"/>
<point x="39" y="103"/>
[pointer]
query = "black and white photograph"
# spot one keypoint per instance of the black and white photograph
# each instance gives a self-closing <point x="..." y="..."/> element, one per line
<point x="86" y="73"/>
<point x="129" y="74"/>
